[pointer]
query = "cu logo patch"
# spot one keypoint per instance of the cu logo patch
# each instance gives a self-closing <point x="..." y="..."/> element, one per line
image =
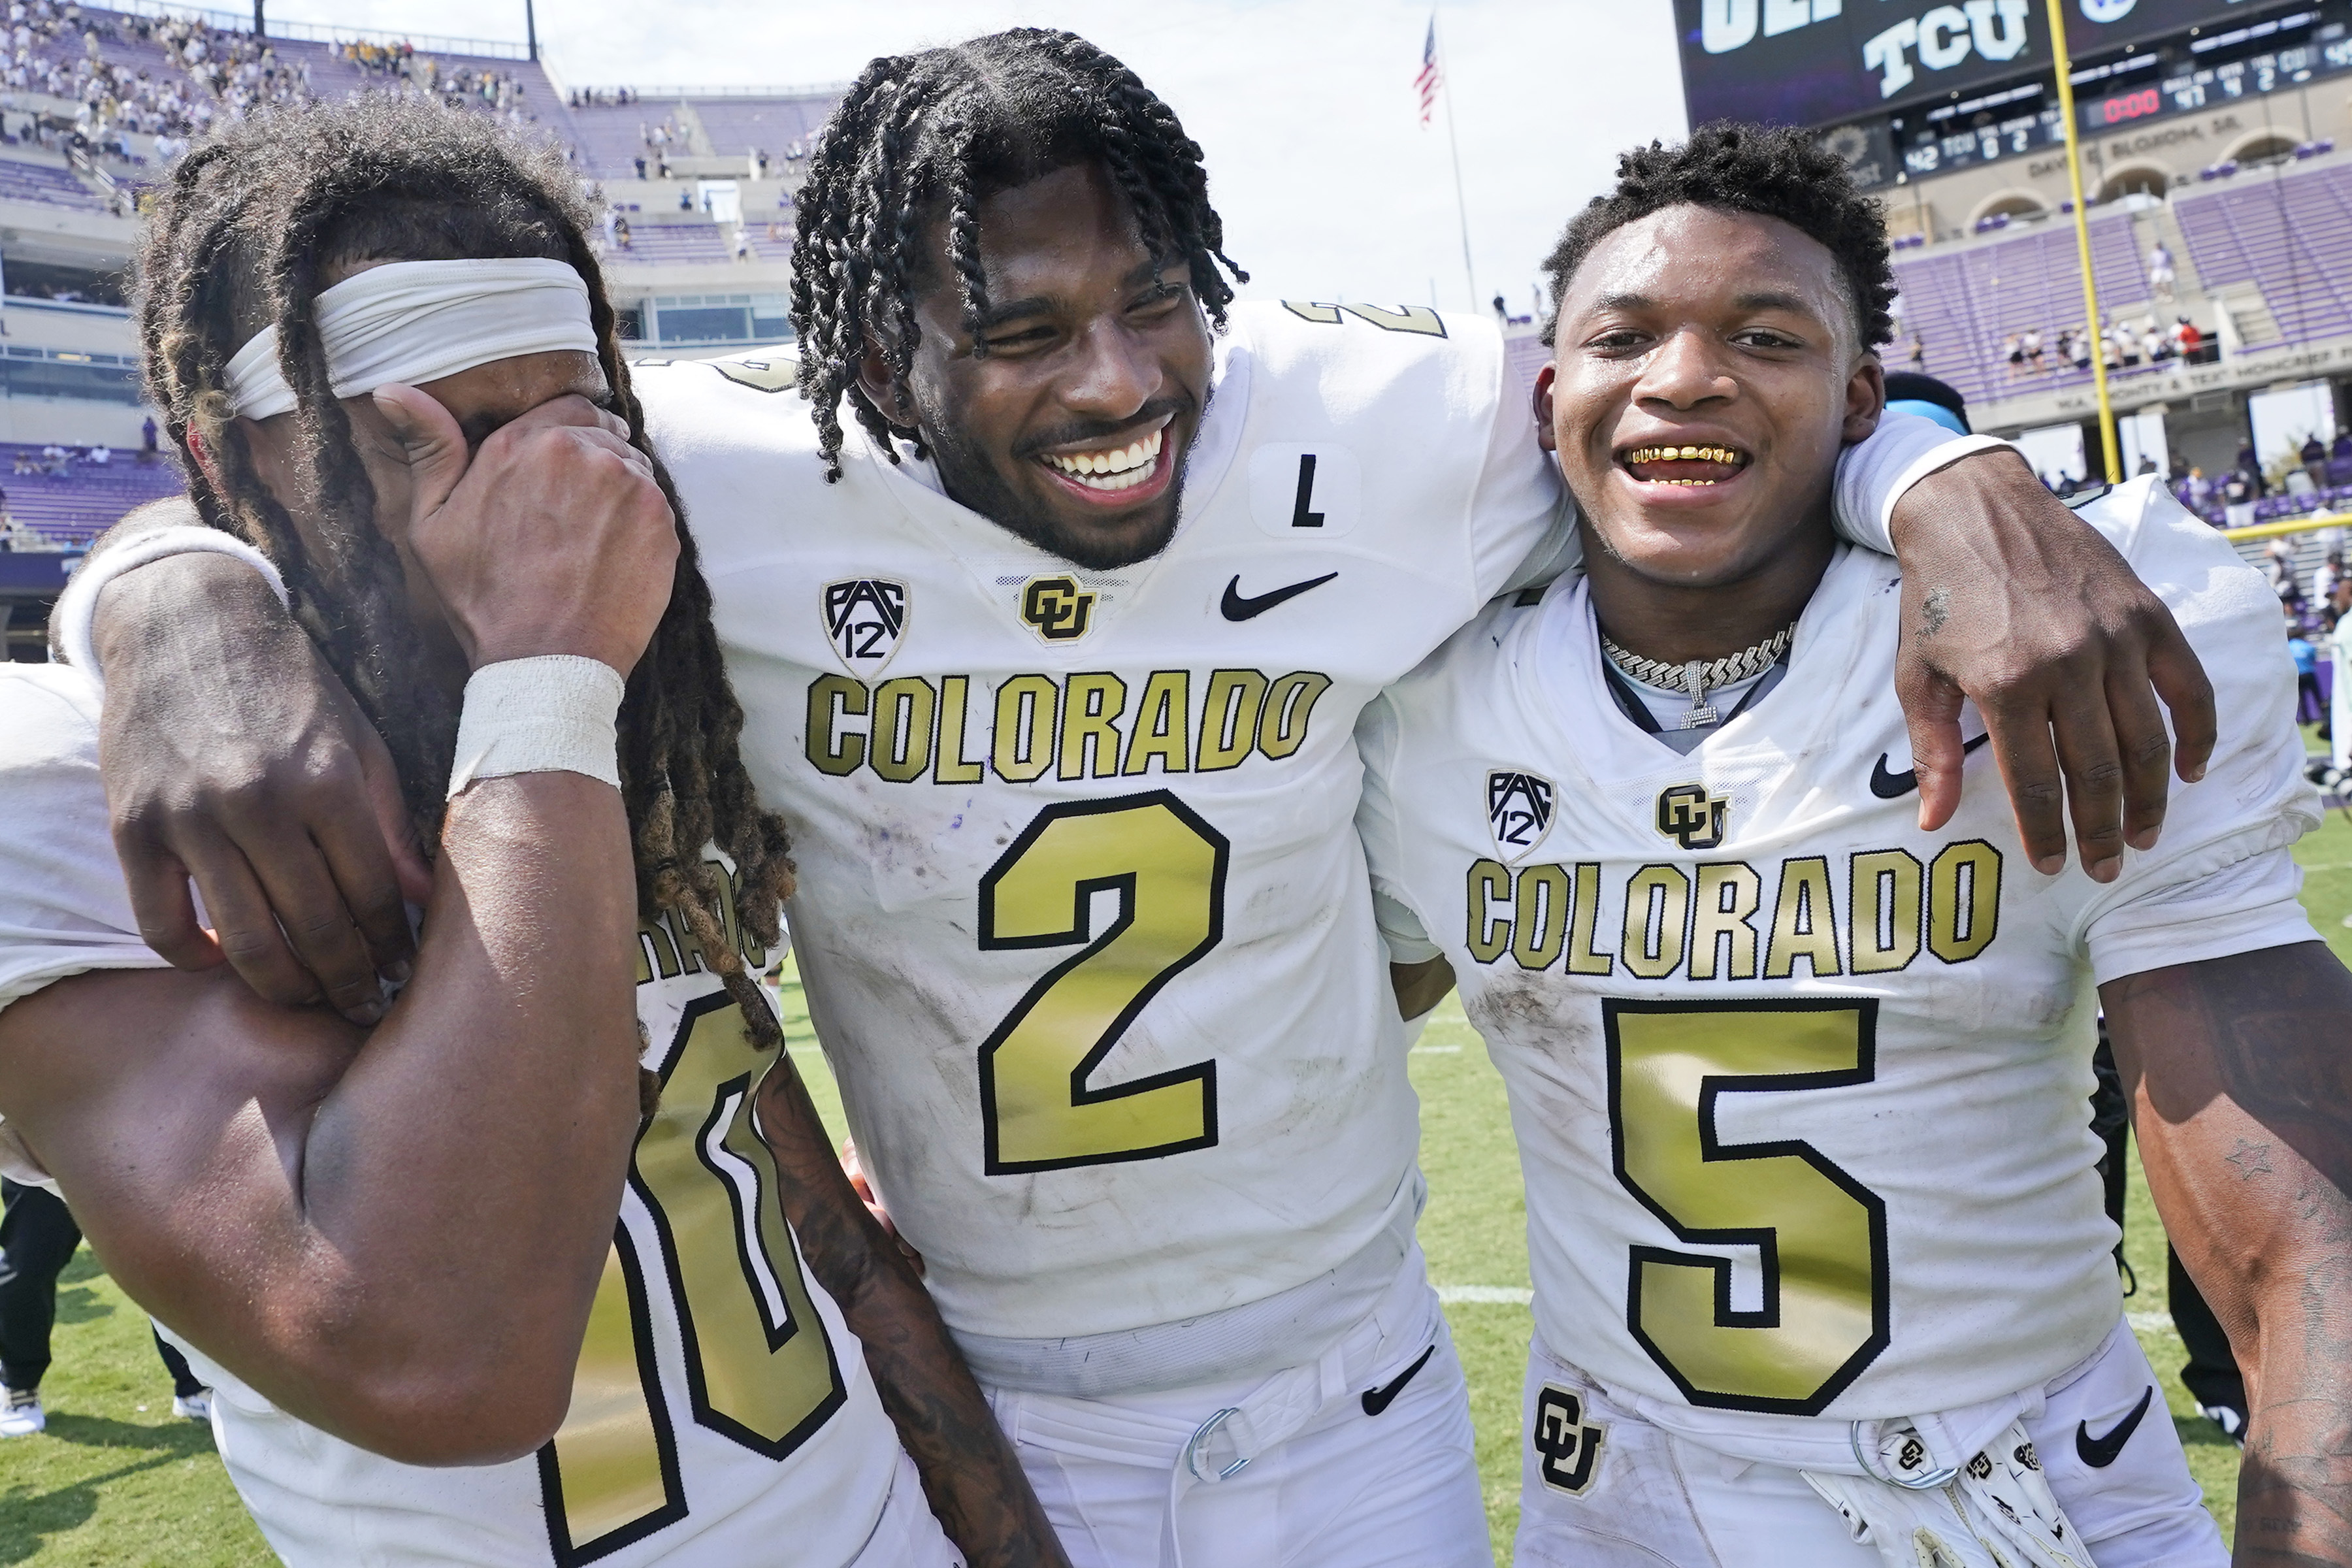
<point x="1519" y="811"/>
<point x="1692" y="818"/>
<point x="1057" y="608"/>
<point x="1570" y="1447"/>
<point x="863" y="620"/>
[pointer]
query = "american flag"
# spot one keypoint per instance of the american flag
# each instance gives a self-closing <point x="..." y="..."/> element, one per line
<point x="1428" y="80"/>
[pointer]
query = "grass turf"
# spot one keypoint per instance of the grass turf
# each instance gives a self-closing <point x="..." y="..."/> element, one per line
<point x="116" y="1480"/>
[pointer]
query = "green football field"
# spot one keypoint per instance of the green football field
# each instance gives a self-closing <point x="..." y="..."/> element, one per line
<point x="116" y="1480"/>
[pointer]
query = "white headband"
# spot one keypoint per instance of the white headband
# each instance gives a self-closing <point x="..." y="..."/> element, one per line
<point x="413" y="321"/>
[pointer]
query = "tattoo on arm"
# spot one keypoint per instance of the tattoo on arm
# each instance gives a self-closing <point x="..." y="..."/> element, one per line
<point x="970" y="1473"/>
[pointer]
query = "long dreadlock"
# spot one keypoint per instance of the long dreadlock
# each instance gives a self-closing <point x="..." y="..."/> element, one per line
<point x="246" y="231"/>
<point x="932" y="135"/>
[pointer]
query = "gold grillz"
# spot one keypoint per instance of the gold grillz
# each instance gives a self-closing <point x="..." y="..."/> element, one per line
<point x="1685" y="455"/>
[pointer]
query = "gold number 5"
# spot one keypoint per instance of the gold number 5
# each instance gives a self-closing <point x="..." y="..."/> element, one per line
<point x="1820" y="1234"/>
<point x="1168" y="868"/>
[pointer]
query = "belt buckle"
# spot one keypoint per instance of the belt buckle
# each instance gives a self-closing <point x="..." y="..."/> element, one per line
<point x="1201" y="1434"/>
<point x="1923" y="1483"/>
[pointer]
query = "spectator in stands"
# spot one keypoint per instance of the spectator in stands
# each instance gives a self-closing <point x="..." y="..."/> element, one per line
<point x="776" y="232"/>
<point x="2159" y="270"/>
<point x="2324" y="585"/>
<point x="2314" y="456"/>
<point x="146" y="441"/>
<point x="102" y="454"/>
<point x="743" y="244"/>
<point x="2237" y="497"/>
<point x="641" y="166"/>
<point x="2309" y="705"/>
<point x="685" y="197"/>
<point x="2081" y="351"/>
<point x="620" y="231"/>
<point x="1918" y="354"/>
<point x="2014" y="348"/>
<point x="2147" y="465"/>
<point x="2280" y="563"/>
<point x="2031" y="344"/>
<point x="2191" y="339"/>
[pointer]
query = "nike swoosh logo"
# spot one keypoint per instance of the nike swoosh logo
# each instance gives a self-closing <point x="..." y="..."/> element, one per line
<point x="2100" y="1452"/>
<point x="1237" y="608"/>
<point x="1376" y="1400"/>
<point x="1894" y="786"/>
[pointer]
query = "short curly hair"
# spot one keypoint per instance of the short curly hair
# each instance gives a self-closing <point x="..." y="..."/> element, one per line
<point x="1772" y="171"/>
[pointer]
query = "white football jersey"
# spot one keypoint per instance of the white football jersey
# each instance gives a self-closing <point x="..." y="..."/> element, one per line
<point x="1082" y="916"/>
<point x="1801" y="1090"/>
<point x="720" y="1405"/>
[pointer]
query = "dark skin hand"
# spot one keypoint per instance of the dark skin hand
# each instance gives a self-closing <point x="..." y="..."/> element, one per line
<point x="971" y="1476"/>
<point x="2241" y="1097"/>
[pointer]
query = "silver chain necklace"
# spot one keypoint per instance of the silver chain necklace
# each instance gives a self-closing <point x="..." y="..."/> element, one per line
<point x="1699" y="677"/>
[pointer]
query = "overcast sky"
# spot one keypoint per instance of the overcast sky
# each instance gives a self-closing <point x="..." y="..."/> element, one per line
<point x="1328" y="186"/>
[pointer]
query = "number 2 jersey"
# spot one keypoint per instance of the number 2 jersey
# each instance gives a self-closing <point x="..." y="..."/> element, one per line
<point x="1081" y="914"/>
<point x="1801" y="1090"/>
<point x="719" y="1408"/>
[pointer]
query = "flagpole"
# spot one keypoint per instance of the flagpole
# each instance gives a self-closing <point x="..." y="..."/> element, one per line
<point x="1454" y="143"/>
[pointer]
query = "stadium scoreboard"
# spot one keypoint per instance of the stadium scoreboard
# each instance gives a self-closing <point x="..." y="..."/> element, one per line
<point x="1818" y="62"/>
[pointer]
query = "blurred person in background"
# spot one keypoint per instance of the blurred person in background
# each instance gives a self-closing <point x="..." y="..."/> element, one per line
<point x="37" y="1238"/>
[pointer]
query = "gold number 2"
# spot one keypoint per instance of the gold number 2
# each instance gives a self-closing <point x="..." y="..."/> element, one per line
<point x="1821" y="1235"/>
<point x="760" y="1368"/>
<point x="1167" y="868"/>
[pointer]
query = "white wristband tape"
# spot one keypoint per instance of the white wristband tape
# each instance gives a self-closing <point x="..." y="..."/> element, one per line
<point x="546" y="715"/>
<point x="78" y="605"/>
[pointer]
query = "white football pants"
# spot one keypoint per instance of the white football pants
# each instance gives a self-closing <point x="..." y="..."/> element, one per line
<point x="1302" y="1471"/>
<point x="908" y="1535"/>
<point x="1601" y="1487"/>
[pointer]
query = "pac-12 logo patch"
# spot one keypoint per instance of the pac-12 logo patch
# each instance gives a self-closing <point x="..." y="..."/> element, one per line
<point x="1519" y="808"/>
<point x="863" y="620"/>
<point x="1692" y="818"/>
<point x="1057" y="608"/>
<point x="1569" y="1446"/>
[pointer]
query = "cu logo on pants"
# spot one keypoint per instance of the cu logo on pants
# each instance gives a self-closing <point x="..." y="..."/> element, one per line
<point x="1057" y="608"/>
<point x="1569" y="1447"/>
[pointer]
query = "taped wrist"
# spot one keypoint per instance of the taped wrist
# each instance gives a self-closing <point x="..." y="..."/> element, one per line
<point x="550" y="714"/>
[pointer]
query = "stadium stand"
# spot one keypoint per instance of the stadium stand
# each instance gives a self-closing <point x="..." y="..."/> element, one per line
<point x="1965" y="303"/>
<point x="70" y="509"/>
<point x="655" y="244"/>
<point x="2288" y="235"/>
<point x="23" y="180"/>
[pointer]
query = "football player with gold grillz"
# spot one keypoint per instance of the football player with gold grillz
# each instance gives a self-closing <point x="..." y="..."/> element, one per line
<point x="1822" y="1274"/>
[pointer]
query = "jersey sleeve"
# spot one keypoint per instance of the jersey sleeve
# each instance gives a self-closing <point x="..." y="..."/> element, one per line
<point x="1874" y="473"/>
<point x="1401" y="927"/>
<point x="2221" y="879"/>
<point x="63" y="906"/>
<point x="1522" y="520"/>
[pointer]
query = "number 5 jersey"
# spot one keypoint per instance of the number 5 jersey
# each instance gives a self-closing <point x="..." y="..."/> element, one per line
<point x="1800" y="1091"/>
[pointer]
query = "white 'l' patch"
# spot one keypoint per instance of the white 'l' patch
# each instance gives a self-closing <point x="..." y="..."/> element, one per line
<point x="865" y="618"/>
<point x="1519" y="811"/>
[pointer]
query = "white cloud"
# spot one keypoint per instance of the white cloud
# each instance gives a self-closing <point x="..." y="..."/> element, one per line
<point x="1328" y="186"/>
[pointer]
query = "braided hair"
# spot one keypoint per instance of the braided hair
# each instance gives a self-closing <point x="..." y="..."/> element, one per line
<point x="929" y="137"/>
<point x="246" y="230"/>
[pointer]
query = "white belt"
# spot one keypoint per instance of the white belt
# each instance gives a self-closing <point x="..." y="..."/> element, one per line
<point x="1828" y="1446"/>
<point x="1222" y="1441"/>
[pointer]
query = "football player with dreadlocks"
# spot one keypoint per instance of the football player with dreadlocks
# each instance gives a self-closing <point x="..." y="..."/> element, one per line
<point x="1051" y="653"/>
<point x="394" y="1245"/>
